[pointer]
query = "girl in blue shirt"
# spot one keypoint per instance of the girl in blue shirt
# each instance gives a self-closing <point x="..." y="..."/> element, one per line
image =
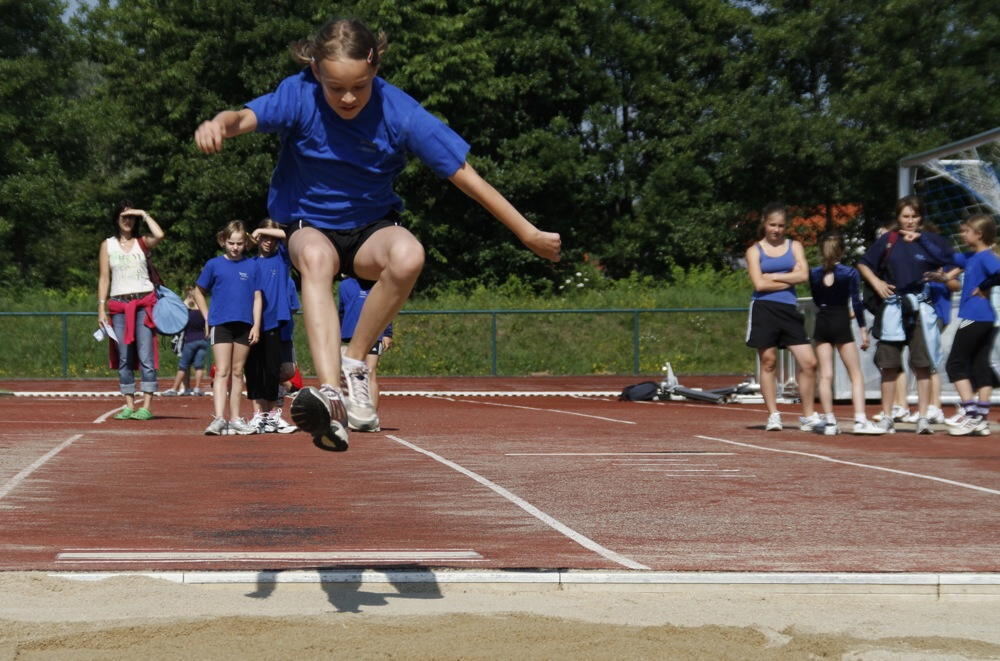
<point x="775" y="265"/>
<point x="836" y="289"/>
<point x="345" y="134"/>
<point x="969" y="361"/>
<point x="234" y="321"/>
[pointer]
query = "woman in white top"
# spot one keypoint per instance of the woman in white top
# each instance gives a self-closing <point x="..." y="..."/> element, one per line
<point x="125" y="292"/>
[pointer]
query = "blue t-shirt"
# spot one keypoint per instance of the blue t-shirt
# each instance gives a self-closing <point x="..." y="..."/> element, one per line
<point x="338" y="173"/>
<point x="846" y="288"/>
<point x="978" y="266"/>
<point x="351" y="298"/>
<point x="275" y="281"/>
<point x="783" y="263"/>
<point x="940" y="297"/>
<point x="195" y="329"/>
<point x="908" y="260"/>
<point x="231" y="285"/>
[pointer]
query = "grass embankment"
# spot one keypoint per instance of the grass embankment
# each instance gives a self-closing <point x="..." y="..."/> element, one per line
<point x="558" y="343"/>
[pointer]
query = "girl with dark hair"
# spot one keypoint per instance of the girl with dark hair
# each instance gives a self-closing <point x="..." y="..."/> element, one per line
<point x="345" y="135"/>
<point x="895" y="267"/>
<point x="125" y="291"/>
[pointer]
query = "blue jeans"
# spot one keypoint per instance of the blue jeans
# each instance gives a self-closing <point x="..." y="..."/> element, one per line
<point x="141" y="348"/>
<point x="193" y="353"/>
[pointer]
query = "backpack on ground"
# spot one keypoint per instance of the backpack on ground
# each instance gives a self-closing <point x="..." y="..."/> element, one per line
<point x="646" y="391"/>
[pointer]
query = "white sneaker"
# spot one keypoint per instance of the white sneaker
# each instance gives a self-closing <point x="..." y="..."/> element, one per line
<point x="239" y="427"/>
<point x="831" y="429"/>
<point x="924" y="427"/>
<point x="320" y="412"/>
<point x="812" y="423"/>
<point x="361" y="414"/>
<point x="957" y="418"/>
<point x="258" y="423"/>
<point x="886" y="426"/>
<point x="869" y="428"/>
<point x="909" y="417"/>
<point x="774" y="423"/>
<point x="278" y="425"/>
<point x="935" y="415"/>
<point x="216" y="428"/>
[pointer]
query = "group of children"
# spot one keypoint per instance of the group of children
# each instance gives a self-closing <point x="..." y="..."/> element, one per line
<point x="910" y="272"/>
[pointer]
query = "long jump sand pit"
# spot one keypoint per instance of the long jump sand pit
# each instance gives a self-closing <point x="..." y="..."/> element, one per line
<point x="43" y="616"/>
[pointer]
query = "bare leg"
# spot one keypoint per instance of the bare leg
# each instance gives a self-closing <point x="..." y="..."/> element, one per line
<point x="223" y="355"/>
<point x="889" y="377"/>
<point x="805" y="357"/>
<point x="317" y="262"/>
<point x="371" y="360"/>
<point x="768" y="378"/>
<point x="852" y="363"/>
<point x="240" y="352"/>
<point x="824" y="357"/>
<point x="923" y="375"/>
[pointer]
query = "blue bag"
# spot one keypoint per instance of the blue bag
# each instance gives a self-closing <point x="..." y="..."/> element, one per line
<point x="169" y="314"/>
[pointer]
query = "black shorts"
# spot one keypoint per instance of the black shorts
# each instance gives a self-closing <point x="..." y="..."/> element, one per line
<point x="971" y="352"/>
<point x="232" y="332"/>
<point x="775" y="325"/>
<point x="833" y="325"/>
<point x="347" y="242"/>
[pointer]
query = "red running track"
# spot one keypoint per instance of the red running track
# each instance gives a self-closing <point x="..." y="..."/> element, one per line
<point x="488" y="482"/>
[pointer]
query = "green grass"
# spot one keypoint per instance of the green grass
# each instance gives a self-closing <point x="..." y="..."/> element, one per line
<point x="598" y="341"/>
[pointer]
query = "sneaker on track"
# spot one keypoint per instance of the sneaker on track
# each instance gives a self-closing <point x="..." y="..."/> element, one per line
<point x="216" y="428"/>
<point x="278" y="425"/>
<point x="924" y="427"/>
<point x="774" y="423"/>
<point x="239" y="427"/>
<point x="813" y="423"/>
<point x="935" y="415"/>
<point x="887" y="426"/>
<point x="320" y="412"/>
<point x="259" y="423"/>
<point x="169" y="393"/>
<point x="361" y="414"/>
<point x="968" y="426"/>
<point x="868" y="428"/>
<point x="831" y="429"/>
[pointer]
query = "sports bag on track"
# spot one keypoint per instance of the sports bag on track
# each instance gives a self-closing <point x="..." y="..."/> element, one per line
<point x="646" y="391"/>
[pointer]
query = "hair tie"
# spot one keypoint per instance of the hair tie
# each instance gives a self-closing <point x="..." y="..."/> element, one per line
<point x="371" y="55"/>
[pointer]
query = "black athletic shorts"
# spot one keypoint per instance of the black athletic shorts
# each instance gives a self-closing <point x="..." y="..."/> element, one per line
<point x="775" y="325"/>
<point x="833" y="325"/>
<point x="347" y="242"/>
<point x="232" y="332"/>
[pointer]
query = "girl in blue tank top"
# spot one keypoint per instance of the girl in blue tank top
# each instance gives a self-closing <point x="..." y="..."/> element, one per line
<point x="775" y="265"/>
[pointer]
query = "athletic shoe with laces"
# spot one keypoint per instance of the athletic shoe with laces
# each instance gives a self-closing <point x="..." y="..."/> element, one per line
<point x="259" y="423"/>
<point x="239" y="427"/>
<point x="277" y="424"/>
<point x="217" y="427"/>
<point x="831" y="429"/>
<point x="886" y="426"/>
<point x="320" y="412"/>
<point x="983" y="429"/>
<point x="361" y="415"/>
<point x="970" y="425"/>
<point x="812" y="423"/>
<point x="957" y="418"/>
<point x="868" y="427"/>
<point x="924" y="427"/>
<point x="169" y="393"/>
<point x="935" y="415"/>
<point x="774" y="423"/>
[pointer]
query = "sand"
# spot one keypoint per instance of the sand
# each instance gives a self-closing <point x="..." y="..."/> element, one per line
<point x="132" y="617"/>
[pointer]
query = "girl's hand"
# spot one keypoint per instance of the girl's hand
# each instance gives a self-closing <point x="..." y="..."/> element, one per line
<point x="546" y="245"/>
<point x="909" y="235"/>
<point x="255" y="235"/>
<point x="254" y="335"/>
<point x="209" y="136"/>
<point x="980" y="293"/>
<point x="865" y="343"/>
<point x="102" y="317"/>
<point x="884" y="289"/>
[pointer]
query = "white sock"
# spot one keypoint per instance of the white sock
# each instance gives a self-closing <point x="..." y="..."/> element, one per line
<point x="860" y="418"/>
<point x="352" y="363"/>
<point x="831" y="419"/>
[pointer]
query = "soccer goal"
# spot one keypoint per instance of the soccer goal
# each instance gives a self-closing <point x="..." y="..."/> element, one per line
<point x="955" y="180"/>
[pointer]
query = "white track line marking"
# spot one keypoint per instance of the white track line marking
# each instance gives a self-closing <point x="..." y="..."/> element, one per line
<point x="103" y="555"/>
<point x="614" y="454"/>
<point x="38" y="463"/>
<point x="964" y="485"/>
<point x="104" y="416"/>
<point x="582" y="540"/>
<point x="535" y="408"/>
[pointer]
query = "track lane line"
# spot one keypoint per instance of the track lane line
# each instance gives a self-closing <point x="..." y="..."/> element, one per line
<point x="35" y="465"/>
<point x="822" y="457"/>
<point x="580" y="539"/>
<point x="535" y="408"/>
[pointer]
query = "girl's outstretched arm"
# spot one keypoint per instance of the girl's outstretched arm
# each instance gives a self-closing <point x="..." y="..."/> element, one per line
<point x="227" y="124"/>
<point x="544" y="244"/>
<point x="272" y="232"/>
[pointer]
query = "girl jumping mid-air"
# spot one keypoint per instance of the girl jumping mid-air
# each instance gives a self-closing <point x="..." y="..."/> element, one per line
<point x="345" y="134"/>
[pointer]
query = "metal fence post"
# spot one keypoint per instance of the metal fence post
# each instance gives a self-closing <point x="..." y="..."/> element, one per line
<point x="65" y="345"/>
<point x="493" y="344"/>
<point x="635" y="342"/>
